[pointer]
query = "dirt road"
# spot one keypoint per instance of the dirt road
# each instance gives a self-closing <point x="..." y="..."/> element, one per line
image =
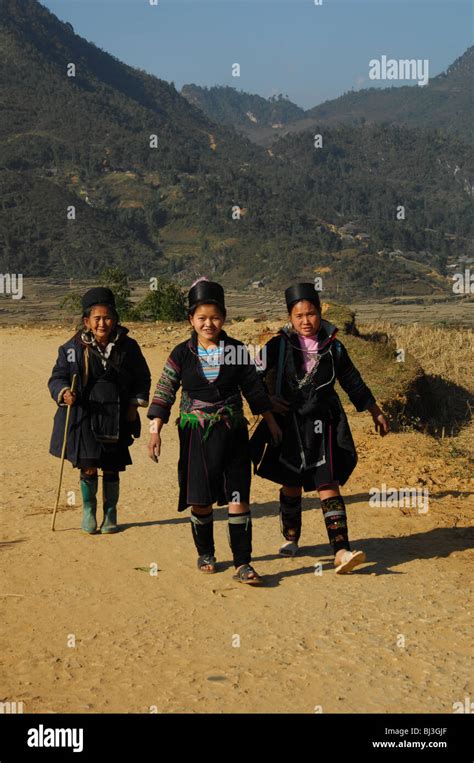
<point x="87" y="628"/>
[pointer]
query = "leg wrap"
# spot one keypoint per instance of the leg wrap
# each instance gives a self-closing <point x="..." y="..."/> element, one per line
<point x="290" y="516"/>
<point x="239" y="533"/>
<point x="335" y="518"/>
<point x="203" y="532"/>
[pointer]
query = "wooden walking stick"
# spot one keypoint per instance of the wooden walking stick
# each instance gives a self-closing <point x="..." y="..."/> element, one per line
<point x="63" y="452"/>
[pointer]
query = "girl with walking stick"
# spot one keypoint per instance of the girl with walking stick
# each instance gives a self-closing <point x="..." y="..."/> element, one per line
<point x="113" y="381"/>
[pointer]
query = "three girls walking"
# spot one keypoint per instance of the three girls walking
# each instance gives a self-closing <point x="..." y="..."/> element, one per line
<point x="302" y="443"/>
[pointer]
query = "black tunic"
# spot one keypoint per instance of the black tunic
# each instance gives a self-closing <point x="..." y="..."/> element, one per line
<point x="214" y="462"/>
<point x="317" y="447"/>
<point x="128" y="370"/>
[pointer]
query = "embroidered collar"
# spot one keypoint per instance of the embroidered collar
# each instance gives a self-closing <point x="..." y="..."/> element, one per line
<point x="294" y="367"/>
<point x="326" y="334"/>
<point x="88" y="339"/>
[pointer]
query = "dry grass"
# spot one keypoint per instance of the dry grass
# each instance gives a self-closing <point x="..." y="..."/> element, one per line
<point x="444" y="352"/>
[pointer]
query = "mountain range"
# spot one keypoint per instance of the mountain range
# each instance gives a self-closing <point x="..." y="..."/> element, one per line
<point x="104" y="164"/>
<point x="446" y="101"/>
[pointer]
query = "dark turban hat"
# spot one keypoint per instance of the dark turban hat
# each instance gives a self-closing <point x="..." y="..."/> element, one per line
<point x="206" y="291"/>
<point x="301" y="291"/>
<point x="98" y="296"/>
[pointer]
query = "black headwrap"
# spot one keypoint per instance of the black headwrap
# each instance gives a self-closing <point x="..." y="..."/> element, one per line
<point x="206" y="291"/>
<point x="301" y="291"/>
<point x="98" y="296"/>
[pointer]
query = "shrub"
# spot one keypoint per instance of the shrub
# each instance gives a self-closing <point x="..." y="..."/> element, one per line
<point x="164" y="303"/>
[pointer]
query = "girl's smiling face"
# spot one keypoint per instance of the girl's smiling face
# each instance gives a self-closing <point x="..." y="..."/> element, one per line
<point x="101" y="321"/>
<point x="305" y="317"/>
<point x="207" y="321"/>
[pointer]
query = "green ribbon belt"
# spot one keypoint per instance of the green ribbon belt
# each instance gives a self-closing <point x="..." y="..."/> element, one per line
<point x="199" y="418"/>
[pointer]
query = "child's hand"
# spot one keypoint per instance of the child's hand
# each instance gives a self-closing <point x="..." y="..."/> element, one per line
<point x="381" y="424"/>
<point x="154" y="446"/>
<point x="69" y="397"/>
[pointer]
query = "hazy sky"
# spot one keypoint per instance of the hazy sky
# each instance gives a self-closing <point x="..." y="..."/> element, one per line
<point x="308" y="52"/>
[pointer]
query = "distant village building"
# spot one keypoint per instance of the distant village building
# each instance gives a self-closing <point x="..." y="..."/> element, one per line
<point x="349" y="229"/>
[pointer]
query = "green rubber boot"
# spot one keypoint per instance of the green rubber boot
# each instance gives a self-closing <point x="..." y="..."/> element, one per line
<point x="110" y="490"/>
<point x="89" y="503"/>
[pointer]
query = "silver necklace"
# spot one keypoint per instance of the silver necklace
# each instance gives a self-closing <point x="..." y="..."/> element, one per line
<point x="309" y="375"/>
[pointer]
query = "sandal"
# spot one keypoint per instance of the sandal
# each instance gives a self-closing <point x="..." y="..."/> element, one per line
<point x="207" y="560"/>
<point x="289" y="549"/>
<point x="350" y="559"/>
<point x="243" y="575"/>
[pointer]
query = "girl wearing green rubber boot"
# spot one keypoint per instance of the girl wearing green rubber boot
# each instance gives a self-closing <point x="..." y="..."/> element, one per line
<point x="113" y="381"/>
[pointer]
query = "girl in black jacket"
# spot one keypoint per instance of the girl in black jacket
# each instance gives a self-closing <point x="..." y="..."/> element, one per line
<point x="317" y="451"/>
<point x="214" y="462"/>
<point x="113" y="380"/>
